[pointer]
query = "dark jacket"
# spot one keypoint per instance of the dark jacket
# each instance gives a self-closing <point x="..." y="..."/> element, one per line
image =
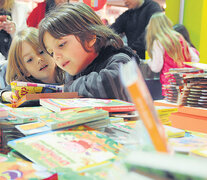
<point x="101" y="78"/>
<point x="5" y="38"/>
<point x="133" y="23"/>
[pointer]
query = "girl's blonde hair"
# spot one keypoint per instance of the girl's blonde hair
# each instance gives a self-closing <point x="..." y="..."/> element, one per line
<point x="16" y="69"/>
<point x="80" y="20"/>
<point x="7" y="4"/>
<point x="161" y="28"/>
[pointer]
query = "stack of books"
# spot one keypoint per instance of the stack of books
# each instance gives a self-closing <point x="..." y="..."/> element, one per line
<point x="67" y="118"/>
<point x="194" y="91"/>
<point x="164" y="113"/>
<point x="177" y="78"/>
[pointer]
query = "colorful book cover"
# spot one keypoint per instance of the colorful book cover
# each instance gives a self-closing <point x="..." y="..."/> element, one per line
<point x="140" y="95"/>
<point x="12" y="168"/>
<point x="33" y="99"/>
<point x="73" y="117"/>
<point x="111" y="105"/>
<point x="4" y="110"/>
<point x="89" y="116"/>
<point x="22" y="88"/>
<point x="162" y="166"/>
<point x="76" y="150"/>
<point x="187" y="144"/>
<point x="27" y="114"/>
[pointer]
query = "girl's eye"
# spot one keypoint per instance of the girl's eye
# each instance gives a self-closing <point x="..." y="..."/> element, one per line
<point x="29" y="60"/>
<point x="61" y="45"/>
<point x="51" y="54"/>
<point x="41" y="52"/>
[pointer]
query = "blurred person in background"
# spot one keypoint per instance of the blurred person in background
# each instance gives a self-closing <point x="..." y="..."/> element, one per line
<point x="134" y="21"/>
<point x="12" y="19"/>
<point x="39" y="12"/>
<point x="184" y="32"/>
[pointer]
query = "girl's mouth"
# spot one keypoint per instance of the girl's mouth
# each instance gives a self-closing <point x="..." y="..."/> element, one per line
<point x="44" y="67"/>
<point x="66" y="63"/>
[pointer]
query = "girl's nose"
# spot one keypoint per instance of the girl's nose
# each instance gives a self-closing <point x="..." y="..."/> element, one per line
<point x="57" y="56"/>
<point x="39" y="59"/>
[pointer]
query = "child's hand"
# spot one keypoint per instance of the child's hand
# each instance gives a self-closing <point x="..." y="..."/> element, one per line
<point x="7" y="96"/>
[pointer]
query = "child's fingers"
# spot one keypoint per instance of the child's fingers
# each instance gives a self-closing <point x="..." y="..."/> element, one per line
<point x="12" y="99"/>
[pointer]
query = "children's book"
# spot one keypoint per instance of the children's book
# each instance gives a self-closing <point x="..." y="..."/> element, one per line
<point x="76" y="150"/>
<point x="4" y="111"/>
<point x="137" y="88"/>
<point x="22" y="88"/>
<point x="111" y="105"/>
<point x="173" y="132"/>
<point x="155" y="165"/>
<point x="27" y="114"/>
<point x="12" y="168"/>
<point x="73" y="117"/>
<point x="187" y="144"/>
<point x="33" y="99"/>
<point x="67" y="118"/>
<point x="199" y="152"/>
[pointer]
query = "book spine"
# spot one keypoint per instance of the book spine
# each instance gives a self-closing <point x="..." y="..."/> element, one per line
<point x="76" y="121"/>
<point x="143" y="101"/>
<point x="118" y="108"/>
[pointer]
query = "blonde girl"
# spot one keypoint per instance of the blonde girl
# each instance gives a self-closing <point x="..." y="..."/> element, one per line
<point x="27" y="62"/>
<point x="166" y="48"/>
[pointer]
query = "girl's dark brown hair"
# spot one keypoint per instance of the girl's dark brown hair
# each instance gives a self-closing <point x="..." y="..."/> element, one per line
<point x="80" y="20"/>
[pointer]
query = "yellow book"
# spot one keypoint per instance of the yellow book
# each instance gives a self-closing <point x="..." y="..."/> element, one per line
<point x="173" y="132"/>
<point x="199" y="152"/>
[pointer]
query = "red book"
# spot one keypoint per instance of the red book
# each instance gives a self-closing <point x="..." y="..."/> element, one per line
<point x="110" y="105"/>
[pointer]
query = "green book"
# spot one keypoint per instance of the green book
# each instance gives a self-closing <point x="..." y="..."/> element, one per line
<point x="68" y="118"/>
<point x="76" y="150"/>
<point x="73" y="117"/>
<point x="27" y="114"/>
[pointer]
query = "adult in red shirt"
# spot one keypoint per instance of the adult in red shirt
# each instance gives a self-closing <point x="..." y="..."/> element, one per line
<point x="39" y="12"/>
